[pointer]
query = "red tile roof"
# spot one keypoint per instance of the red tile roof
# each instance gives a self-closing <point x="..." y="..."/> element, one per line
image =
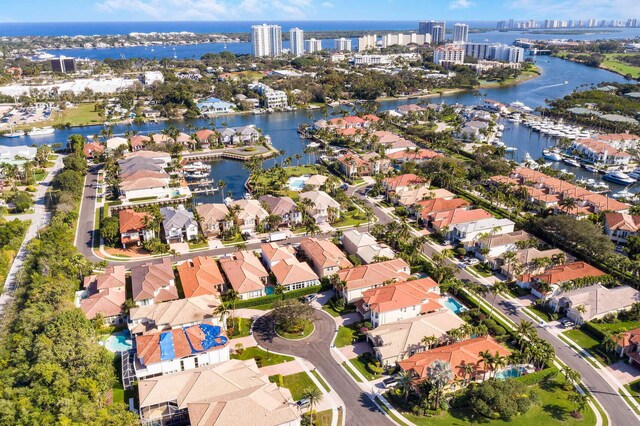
<point x="200" y="276"/>
<point x="568" y="272"/>
<point x="427" y="207"/>
<point x="373" y="274"/>
<point x="131" y="220"/>
<point x="403" y="295"/>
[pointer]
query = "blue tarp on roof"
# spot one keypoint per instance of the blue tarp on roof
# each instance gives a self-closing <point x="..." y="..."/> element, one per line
<point x="212" y="337"/>
<point x="167" y="351"/>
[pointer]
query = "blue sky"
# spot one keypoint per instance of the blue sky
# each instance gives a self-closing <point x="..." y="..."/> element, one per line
<point x="211" y="10"/>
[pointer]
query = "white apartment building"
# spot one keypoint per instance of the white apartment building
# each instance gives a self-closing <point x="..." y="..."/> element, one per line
<point x="383" y="59"/>
<point x="449" y="54"/>
<point x="266" y="40"/>
<point x="342" y="44"/>
<point x="494" y="51"/>
<point x="312" y="45"/>
<point x="460" y="33"/>
<point x="272" y="98"/>
<point x="405" y="39"/>
<point x="296" y="40"/>
<point x="367" y="42"/>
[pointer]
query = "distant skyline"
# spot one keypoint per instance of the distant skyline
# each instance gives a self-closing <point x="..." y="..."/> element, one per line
<point x="331" y="10"/>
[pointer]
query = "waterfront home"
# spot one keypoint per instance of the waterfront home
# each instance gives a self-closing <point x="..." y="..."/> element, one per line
<point x="525" y="261"/>
<point x="399" y="301"/>
<point x="492" y="246"/>
<point x="622" y="141"/>
<point x="351" y="165"/>
<point x="628" y="343"/>
<point x="135" y="227"/>
<point x="399" y="340"/>
<point x="316" y="181"/>
<point x="138" y="142"/>
<point x="114" y="143"/>
<point x="393" y="143"/>
<point x="402" y="183"/>
<point x="365" y="247"/>
<point x="409" y="109"/>
<point x="93" y="149"/>
<point x="213" y="219"/>
<point x="322" y="208"/>
<point x="153" y="283"/>
<point x="284" y="207"/>
<point x="592" y="302"/>
<point x="444" y="220"/>
<point x="214" y="106"/>
<point x="620" y="226"/>
<point x="466" y="233"/>
<point x="352" y="121"/>
<point x="201" y="276"/>
<point x="179" y="224"/>
<point x="246" y="135"/>
<point x="325" y="257"/>
<point x="104" y="295"/>
<point x="196" y="397"/>
<point x="358" y="279"/>
<point x="473" y="131"/>
<point x="245" y="274"/>
<point x="425" y="208"/>
<point x="142" y="177"/>
<point x="415" y="155"/>
<point x="597" y="151"/>
<point x="249" y="214"/>
<point x="161" y="139"/>
<point x="179" y="349"/>
<point x="204" y="137"/>
<point x="556" y="276"/>
<point x="457" y="355"/>
<point x="174" y="314"/>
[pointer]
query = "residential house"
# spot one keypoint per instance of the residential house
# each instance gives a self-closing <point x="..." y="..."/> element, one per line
<point x="400" y="183"/>
<point x="272" y="253"/>
<point x="195" y="397"/>
<point x="284" y="207"/>
<point x="457" y="355"/>
<point x="153" y="283"/>
<point x="399" y="340"/>
<point x="358" y="279"/>
<point x="201" y="275"/>
<point x="492" y="246"/>
<point x="138" y="142"/>
<point x="204" y="137"/>
<point x="174" y="314"/>
<point x="393" y="143"/>
<point x="323" y="208"/>
<point x="351" y="165"/>
<point x="621" y="141"/>
<point x="93" y="149"/>
<point x="375" y="163"/>
<point x="214" y="106"/>
<point x="525" y="259"/>
<point x="115" y="143"/>
<point x="325" y="257"/>
<point x="597" y="151"/>
<point x="409" y="108"/>
<point x="316" y="181"/>
<point x="245" y="274"/>
<point x="468" y="232"/>
<point x="556" y="276"/>
<point x="365" y="247"/>
<point x="443" y="221"/>
<point x="627" y="343"/>
<point x="245" y="135"/>
<point x="426" y="208"/>
<point x="592" y="302"/>
<point x="135" y="227"/>
<point x="292" y="274"/>
<point x="142" y="176"/>
<point x="104" y="295"/>
<point x="179" y="224"/>
<point x="415" y="155"/>
<point x="620" y="226"/>
<point x="399" y="301"/>
<point x="213" y="219"/>
<point x="249" y="215"/>
<point x="179" y="349"/>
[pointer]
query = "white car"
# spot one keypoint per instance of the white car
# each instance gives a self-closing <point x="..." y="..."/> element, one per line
<point x="473" y="261"/>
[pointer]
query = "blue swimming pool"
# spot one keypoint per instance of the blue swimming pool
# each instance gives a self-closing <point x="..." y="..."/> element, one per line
<point x="119" y="342"/>
<point x="454" y="305"/>
<point x="269" y="290"/>
<point x="296" y="183"/>
<point x="510" y="372"/>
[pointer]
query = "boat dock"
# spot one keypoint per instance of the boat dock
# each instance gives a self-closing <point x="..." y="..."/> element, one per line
<point x="240" y="154"/>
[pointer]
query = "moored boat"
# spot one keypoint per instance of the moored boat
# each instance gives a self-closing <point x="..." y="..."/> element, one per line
<point x="619" y="178"/>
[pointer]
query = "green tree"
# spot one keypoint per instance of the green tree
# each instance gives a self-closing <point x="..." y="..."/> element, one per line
<point x="499" y="399"/>
<point x="314" y="395"/>
<point x="110" y="230"/>
<point x="22" y="201"/>
<point x="76" y="143"/>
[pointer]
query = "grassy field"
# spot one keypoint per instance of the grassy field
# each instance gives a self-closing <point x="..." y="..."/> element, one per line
<point x="554" y="409"/>
<point x="83" y="114"/>
<point x="308" y="329"/>
<point x="241" y="327"/>
<point x="589" y="343"/>
<point x="345" y="336"/>
<point x="323" y="418"/>
<point x="360" y="363"/>
<point x="617" y="327"/>
<point x="262" y="357"/>
<point x="321" y="380"/>
<point x="297" y="383"/>
<point x="611" y="63"/>
<point x="350" y="218"/>
<point x="270" y="180"/>
<point x="336" y="311"/>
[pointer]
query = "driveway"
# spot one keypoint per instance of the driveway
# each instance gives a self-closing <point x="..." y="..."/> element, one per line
<point x="360" y="411"/>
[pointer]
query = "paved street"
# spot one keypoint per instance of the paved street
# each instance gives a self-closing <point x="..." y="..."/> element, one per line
<point x="39" y="218"/>
<point x="360" y="411"/>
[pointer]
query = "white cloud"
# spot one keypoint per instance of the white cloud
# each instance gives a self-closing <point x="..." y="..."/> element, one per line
<point x="327" y="4"/>
<point x="460" y="4"/>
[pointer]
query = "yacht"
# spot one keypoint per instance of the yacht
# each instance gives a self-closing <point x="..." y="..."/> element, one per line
<point x="572" y="162"/>
<point x="196" y="175"/>
<point x="551" y="155"/>
<point x="625" y="193"/>
<point x="601" y="186"/>
<point x="635" y="174"/>
<point x="591" y="168"/>
<point x="619" y="178"/>
<point x="498" y="142"/>
<point x="196" y="167"/>
<point x="12" y="134"/>
<point x="41" y="131"/>
<point x="511" y="149"/>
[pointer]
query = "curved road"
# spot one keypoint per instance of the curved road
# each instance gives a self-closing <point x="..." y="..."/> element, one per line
<point x="360" y="410"/>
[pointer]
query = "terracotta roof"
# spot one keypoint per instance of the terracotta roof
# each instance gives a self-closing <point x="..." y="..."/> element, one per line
<point x="200" y="276"/>
<point x="568" y="272"/>
<point x="138" y="141"/>
<point x="374" y="274"/>
<point x="434" y="205"/>
<point x="203" y="135"/>
<point x="414" y="155"/>
<point x="456" y="354"/>
<point x="149" y="279"/>
<point x="324" y="253"/>
<point x="273" y="252"/>
<point x="403" y="181"/>
<point x="403" y="295"/>
<point x="244" y="271"/>
<point x="290" y="271"/>
<point x="89" y="148"/>
<point x="458" y="216"/>
<point x="622" y="221"/>
<point x="279" y="205"/>
<point x="630" y="337"/>
<point x="131" y="220"/>
<point x="618" y="137"/>
<point x="212" y="213"/>
<point x="600" y="147"/>
<point x="106" y="293"/>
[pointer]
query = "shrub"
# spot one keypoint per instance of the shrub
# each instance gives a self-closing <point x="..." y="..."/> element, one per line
<point x="30" y="188"/>
<point x="277" y="379"/>
<point x="375" y="367"/>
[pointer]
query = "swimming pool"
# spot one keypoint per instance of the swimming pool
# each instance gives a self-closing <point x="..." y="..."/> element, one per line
<point x="510" y="372"/>
<point x="119" y="342"/>
<point x="269" y="290"/>
<point x="296" y="183"/>
<point x="454" y="305"/>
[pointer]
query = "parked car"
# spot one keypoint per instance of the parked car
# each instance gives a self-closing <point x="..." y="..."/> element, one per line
<point x="389" y="382"/>
<point x="472" y="261"/>
<point x="303" y="403"/>
<point x="309" y="298"/>
<point x="462" y="265"/>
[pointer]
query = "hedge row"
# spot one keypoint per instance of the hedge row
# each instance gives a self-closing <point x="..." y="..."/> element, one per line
<point x="272" y="298"/>
<point x="591" y="329"/>
<point x="538" y="376"/>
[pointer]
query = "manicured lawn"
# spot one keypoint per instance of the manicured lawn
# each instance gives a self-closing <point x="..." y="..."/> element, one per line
<point x="237" y="239"/>
<point x="321" y="380"/>
<point x="360" y="363"/>
<point x="241" y="327"/>
<point x="481" y="271"/>
<point x="612" y="62"/>
<point x="543" y="313"/>
<point x="262" y="357"/>
<point x="40" y="175"/>
<point x="271" y="181"/>
<point x="308" y="329"/>
<point x="336" y="311"/>
<point x="345" y="336"/>
<point x="323" y="418"/>
<point x="350" y="218"/>
<point x="590" y="343"/>
<point x="516" y="291"/>
<point x="350" y="369"/>
<point x="554" y="409"/>
<point x="82" y="114"/>
<point x="634" y="389"/>
<point x="617" y="327"/>
<point x="297" y="383"/>
<point x="135" y="200"/>
<point x="198" y="245"/>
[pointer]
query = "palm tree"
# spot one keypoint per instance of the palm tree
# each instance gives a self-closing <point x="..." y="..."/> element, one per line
<point x="559" y="259"/>
<point x="222" y="185"/>
<point x="404" y="384"/>
<point x="429" y="341"/>
<point x="314" y="395"/>
<point x="580" y="402"/>
<point x="487" y="359"/>
<point x="468" y="369"/>
<point x="439" y="374"/>
<point x="222" y="311"/>
<point x="567" y="204"/>
<point x="297" y="157"/>
<point x="231" y="296"/>
<point x="497" y="287"/>
<point x="499" y="362"/>
<point x="571" y="377"/>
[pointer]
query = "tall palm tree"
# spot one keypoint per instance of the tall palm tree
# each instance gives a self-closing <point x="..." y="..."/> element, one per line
<point x="222" y="185"/>
<point x="567" y="204"/>
<point x="499" y="362"/>
<point x="579" y="401"/>
<point x="404" y="384"/>
<point x="496" y="288"/>
<point x="439" y="374"/>
<point x="231" y="296"/>
<point x="571" y="377"/>
<point x="487" y="359"/>
<point x="222" y="311"/>
<point x="468" y="369"/>
<point x="429" y="341"/>
<point x="314" y="395"/>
